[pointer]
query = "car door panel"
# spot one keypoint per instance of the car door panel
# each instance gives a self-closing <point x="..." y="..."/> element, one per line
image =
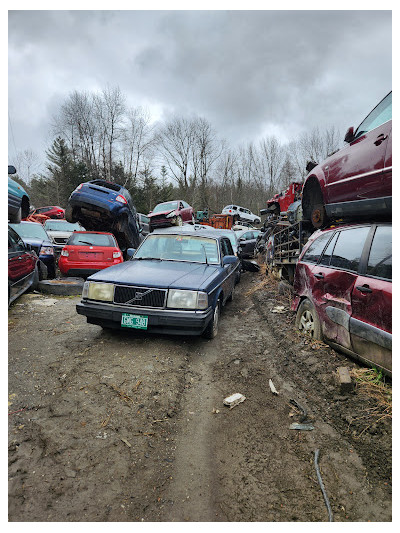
<point x="355" y="172"/>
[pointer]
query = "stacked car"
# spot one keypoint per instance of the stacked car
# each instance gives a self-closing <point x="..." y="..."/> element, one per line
<point x="343" y="280"/>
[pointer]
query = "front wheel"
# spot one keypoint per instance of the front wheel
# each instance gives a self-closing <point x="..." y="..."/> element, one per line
<point x="307" y="320"/>
<point x="212" y="328"/>
<point x="69" y="214"/>
<point x="178" y="221"/>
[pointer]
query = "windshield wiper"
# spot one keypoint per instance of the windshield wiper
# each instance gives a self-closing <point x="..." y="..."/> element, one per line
<point x="85" y="242"/>
<point x="149" y="258"/>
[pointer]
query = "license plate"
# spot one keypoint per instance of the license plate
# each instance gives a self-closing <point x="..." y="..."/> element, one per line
<point x="134" y="321"/>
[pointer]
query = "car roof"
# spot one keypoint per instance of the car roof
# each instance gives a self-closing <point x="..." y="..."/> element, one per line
<point x="94" y="232"/>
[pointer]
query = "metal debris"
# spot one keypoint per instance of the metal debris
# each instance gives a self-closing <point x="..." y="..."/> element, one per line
<point x="301" y="427"/>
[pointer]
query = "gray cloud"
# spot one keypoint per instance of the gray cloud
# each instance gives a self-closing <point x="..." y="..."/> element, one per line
<point x="250" y="73"/>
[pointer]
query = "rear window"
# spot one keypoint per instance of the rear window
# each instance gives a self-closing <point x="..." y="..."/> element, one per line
<point x="380" y="256"/>
<point x="91" y="239"/>
<point x="348" y="248"/>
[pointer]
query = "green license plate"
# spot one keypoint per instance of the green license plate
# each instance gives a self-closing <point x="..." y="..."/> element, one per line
<point x="134" y="321"/>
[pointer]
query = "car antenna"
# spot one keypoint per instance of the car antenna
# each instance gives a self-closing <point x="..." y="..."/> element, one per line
<point x="205" y="253"/>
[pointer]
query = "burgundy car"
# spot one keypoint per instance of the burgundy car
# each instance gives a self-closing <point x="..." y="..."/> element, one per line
<point x="343" y="290"/>
<point x="23" y="266"/>
<point x="357" y="180"/>
<point x="51" y="211"/>
<point x="173" y="213"/>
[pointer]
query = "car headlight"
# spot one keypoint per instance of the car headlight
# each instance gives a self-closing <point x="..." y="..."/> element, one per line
<point x="170" y="215"/>
<point x="181" y="299"/>
<point x="46" y="250"/>
<point x="99" y="291"/>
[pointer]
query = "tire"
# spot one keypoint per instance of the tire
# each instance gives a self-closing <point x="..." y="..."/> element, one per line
<point x="178" y="221"/>
<point x="212" y="327"/>
<point x="319" y="218"/>
<point x="307" y="320"/>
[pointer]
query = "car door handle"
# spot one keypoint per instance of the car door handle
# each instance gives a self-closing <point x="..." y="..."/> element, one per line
<point x="319" y="276"/>
<point x="363" y="288"/>
<point x="380" y="139"/>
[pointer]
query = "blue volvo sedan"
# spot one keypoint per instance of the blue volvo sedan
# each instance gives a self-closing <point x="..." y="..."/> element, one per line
<point x="174" y="283"/>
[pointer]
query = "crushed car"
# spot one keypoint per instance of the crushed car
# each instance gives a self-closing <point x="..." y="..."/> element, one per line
<point x="343" y="290"/>
<point x="174" y="213"/>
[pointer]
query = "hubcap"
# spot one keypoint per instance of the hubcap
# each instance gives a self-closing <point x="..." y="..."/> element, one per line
<point x="307" y="323"/>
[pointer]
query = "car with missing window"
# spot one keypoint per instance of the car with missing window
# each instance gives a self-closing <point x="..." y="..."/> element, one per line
<point x="33" y="234"/>
<point x="174" y="213"/>
<point x="343" y="290"/>
<point x="101" y="205"/>
<point x="175" y="283"/>
<point x="23" y="267"/>
<point x="241" y="213"/>
<point x="356" y="181"/>
<point x="87" y="252"/>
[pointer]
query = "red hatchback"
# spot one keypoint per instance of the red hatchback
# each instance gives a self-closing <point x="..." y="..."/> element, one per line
<point x="87" y="252"/>
<point x="343" y="290"/>
<point x="355" y="181"/>
<point x="51" y="211"/>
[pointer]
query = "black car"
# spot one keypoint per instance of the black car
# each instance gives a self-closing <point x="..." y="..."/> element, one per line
<point x="33" y="234"/>
<point x="174" y="283"/>
<point x="247" y="241"/>
<point x="101" y="205"/>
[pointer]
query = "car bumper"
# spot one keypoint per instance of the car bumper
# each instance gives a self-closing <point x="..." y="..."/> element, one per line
<point x="66" y="267"/>
<point x="90" y="202"/>
<point x="49" y="261"/>
<point x="168" y="321"/>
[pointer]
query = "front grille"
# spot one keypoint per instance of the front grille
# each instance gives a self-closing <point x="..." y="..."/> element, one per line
<point x="60" y="240"/>
<point x="139" y="296"/>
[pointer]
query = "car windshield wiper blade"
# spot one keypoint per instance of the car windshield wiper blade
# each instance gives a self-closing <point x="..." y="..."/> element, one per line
<point x="85" y="242"/>
<point x="149" y="258"/>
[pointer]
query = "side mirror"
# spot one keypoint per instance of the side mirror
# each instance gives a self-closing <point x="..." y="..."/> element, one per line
<point x="349" y="135"/>
<point x="130" y="252"/>
<point x="310" y="165"/>
<point x="28" y="247"/>
<point x="12" y="169"/>
<point x="229" y="260"/>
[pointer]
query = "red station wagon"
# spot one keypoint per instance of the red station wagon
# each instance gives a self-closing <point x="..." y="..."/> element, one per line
<point x="355" y="181"/>
<point x="343" y="290"/>
<point x="51" y="211"/>
<point x="87" y="252"/>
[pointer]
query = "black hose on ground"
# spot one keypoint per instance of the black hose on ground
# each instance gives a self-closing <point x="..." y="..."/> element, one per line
<point x="321" y="484"/>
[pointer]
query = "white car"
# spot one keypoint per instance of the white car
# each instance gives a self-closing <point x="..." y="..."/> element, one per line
<point x="242" y="213"/>
<point x="59" y="231"/>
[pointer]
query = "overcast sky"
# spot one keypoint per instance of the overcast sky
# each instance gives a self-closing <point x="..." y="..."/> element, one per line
<point x="249" y="73"/>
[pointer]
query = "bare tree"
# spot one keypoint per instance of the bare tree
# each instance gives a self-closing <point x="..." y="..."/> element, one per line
<point x="28" y="164"/>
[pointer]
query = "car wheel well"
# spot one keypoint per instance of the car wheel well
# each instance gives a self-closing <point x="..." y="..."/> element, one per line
<point x="312" y="195"/>
<point x="25" y="207"/>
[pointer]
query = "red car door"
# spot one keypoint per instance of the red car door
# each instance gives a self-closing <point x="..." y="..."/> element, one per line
<point x="356" y="171"/>
<point x="21" y="263"/>
<point x="371" y="320"/>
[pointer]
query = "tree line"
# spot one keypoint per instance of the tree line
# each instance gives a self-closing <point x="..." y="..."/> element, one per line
<point x="97" y="136"/>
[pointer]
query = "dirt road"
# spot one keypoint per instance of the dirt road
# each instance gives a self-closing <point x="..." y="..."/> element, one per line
<point x="122" y="426"/>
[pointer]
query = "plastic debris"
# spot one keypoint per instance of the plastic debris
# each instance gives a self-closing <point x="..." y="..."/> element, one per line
<point x="301" y="427"/>
<point x="234" y="399"/>
<point x="272" y="387"/>
<point x="279" y="309"/>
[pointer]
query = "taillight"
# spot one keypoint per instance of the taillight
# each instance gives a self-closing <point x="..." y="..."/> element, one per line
<point x="65" y="252"/>
<point x="116" y="255"/>
<point x="121" y="199"/>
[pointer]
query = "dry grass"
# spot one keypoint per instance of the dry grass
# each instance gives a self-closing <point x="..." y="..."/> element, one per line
<point x="267" y="280"/>
<point x="371" y="384"/>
